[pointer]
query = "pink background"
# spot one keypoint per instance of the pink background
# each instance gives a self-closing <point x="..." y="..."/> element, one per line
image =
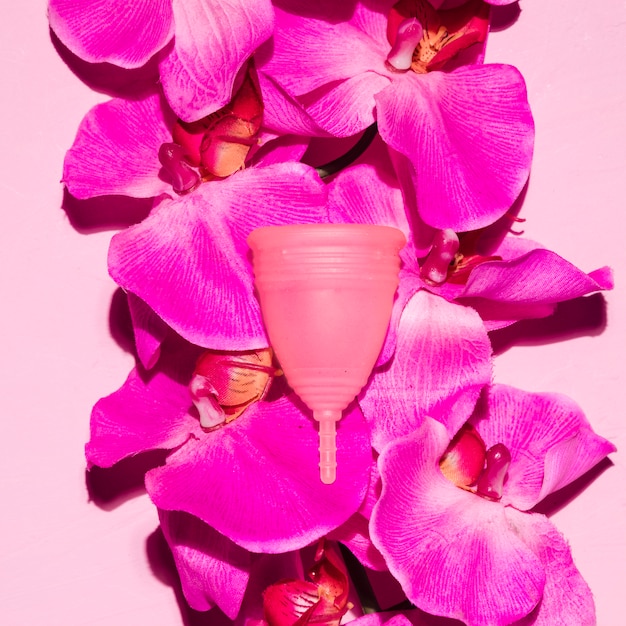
<point x="70" y="559"/>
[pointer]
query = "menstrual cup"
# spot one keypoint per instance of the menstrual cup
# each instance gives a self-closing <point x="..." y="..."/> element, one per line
<point x="326" y="292"/>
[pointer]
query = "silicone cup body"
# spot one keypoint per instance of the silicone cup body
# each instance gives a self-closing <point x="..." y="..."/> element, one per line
<point x="326" y="292"/>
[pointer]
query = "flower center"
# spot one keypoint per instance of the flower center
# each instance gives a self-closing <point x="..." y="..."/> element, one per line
<point x="453" y="257"/>
<point x="423" y="39"/>
<point x="217" y="145"/>
<point x="225" y="384"/>
<point x="468" y="464"/>
<point x="324" y="601"/>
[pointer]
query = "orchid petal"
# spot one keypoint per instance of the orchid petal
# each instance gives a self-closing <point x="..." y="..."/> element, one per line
<point x="149" y="330"/>
<point x="282" y="113"/>
<point x="126" y="34"/>
<point x="213" y="570"/>
<point x="567" y="598"/>
<point x="469" y="136"/>
<point x="327" y="58"/>
<point x="256" y="480"/>
<point x="442" y="361"/>
<point x="539" y="276"/>
<point x="354" y="534"/>
<point x="146" y="413"/>
<point x="550" y="441"/>
<point x="345" y="108"/>
<point x="116" y="150"/>
<point x="213" y="40"/>
<point x="189" y="259"/>
<point x="454" y="554"/>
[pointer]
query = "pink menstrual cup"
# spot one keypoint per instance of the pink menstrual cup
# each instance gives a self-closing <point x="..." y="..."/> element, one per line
<point x="326" y="292"/>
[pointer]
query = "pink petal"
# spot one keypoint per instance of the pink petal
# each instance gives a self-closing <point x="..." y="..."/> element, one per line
<point x="455" y="554"/>
<point x="256" y="480"/>
<point x="469" y="136"/>
<point x="368" y="194"/>
<point x="146" y="413"/>
<point x="347" y="107"/>
<point x="116" y="150"/>
<point x="123" y="33"/>
<point x="354" y="534"/>
<point x="550" y="440"/>
<point x="441" y="363"/>
<point x="149" y="329"/>
<point x="189" y="259"/>
<point x="283" y="113"/>
<point x="566" y="597"/>
<point x="311" y="52"/>
<point x="539" y="276"/>
<point x="213" y="40"/>
<point x="212" y="569"/>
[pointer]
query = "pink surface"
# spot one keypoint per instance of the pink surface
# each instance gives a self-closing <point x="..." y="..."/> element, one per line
<point x="77" y="552"/>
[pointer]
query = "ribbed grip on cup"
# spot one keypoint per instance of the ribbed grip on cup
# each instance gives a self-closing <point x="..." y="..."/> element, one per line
<point x="328" y="444"/>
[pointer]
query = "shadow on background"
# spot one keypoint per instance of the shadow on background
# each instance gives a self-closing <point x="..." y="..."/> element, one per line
<point x="110" y="487"/>
<point x="556" y="501"/>
<point x="163" y="568"/>
<point x="580" y="317"/>
<point x="94" y="215"/>
<point x="109" y="79"/>
<point x="502" y="17"/>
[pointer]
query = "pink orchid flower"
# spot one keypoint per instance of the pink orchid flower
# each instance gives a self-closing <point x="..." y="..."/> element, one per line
<point x="213" y="571"/>
<point x="473" y="549"/>
<point x="201" y="44"/>
<point x="253" y="479"/>
<point x="474" y="119"/>
<point x="188" y="260"/>
<point x="504" y="279"/>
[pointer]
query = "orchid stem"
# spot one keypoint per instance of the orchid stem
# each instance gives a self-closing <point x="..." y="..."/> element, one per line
<point x="352" y="155"/>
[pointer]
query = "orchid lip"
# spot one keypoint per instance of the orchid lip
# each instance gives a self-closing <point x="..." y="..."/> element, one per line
<point x="409" y="35"/>
<point x="183" y="177"/>
<point x="491" y="481"/>
<point x="445" y="246"/>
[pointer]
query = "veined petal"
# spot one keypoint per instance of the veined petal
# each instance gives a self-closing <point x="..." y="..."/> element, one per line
<point x="367" y="194"/>
<point x="116" y="150"/>
<point x="146" y="413"/>
<point x="282" y="113"/>
<point x="567" y="598"/>
<point x="149" y="330"/>
<point x="441" y="363"/>
<point x="354" y="534"/>
<point x="213" y="40"/>
<point x="455" y="554"/>
<point x="550" y="441"/>
<point x="469" y="136"/>
<point x="539" y="276"/>
<point x="256" y="480"/>
<point x="212" y="569"/>
<point x="311" y="52"/>
<point x="347" y="107"/>
<point x="189" y="259"/>
<point x="126" y="34"/>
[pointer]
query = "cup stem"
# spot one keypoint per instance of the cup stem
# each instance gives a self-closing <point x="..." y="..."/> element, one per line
<point x="327" y="419"/>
